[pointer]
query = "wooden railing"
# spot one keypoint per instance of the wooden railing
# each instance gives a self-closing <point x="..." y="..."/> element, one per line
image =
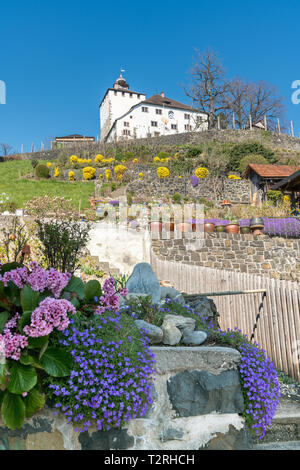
<point x="278" y="326"/>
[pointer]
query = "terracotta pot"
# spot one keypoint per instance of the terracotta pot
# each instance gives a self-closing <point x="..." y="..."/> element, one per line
<point x="232" y="228"/>
<point x="199" y="229"/>
<point x="220" y="228"/>
<point x="155" y="226"/>
<point x="169" y="226"/>
<point x="209" y="227"/>
<point x="245" y="229"/>
<point x="184" y="227"/>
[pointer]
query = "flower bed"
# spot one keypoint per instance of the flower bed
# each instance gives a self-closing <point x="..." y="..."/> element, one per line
<point x="70" y="343"/>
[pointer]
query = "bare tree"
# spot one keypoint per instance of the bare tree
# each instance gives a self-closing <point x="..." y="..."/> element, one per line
<point x="208" y="85"/>
<point x="255" y="99"/>
<point x="6" y="150"/>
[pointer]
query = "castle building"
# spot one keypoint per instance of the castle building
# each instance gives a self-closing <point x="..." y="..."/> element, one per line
<point x="127" y="114"/>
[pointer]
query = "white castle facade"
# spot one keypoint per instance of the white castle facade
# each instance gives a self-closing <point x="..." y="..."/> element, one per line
<point x="127" y="114"/>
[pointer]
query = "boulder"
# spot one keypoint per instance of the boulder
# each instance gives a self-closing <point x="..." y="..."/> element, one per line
<point x="193" y="337"/>
<point x="171" y="293"/>
<point x="154" y="333"/>
<point x="144" y="281"/>
<point x="179" y="322"/>
<point x="172" y="335"/>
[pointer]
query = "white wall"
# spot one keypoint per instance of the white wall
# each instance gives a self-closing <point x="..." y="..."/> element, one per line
<point x="115" y="106"/>
<point x="122" y="248"/>
<point x="140" y="122"/>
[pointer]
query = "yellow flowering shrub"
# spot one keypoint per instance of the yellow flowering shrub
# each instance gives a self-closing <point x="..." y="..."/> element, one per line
<point x="71" y="175"/>
<point x="120" y="170"/>
<point x="49" y="164"/>
<point x="73" y="159"/>
<point x="163" y="172"/>
<point x="88" y="172"/>
<point x="100" y="176"/>
<point x="107" y="174"/>
<point x="234" y="177"/>
<point x="135" y="160"/>
<point x="201" y="172"/>
<point x="108" y="160"/>
<point x="141" y="175"/>
<point x="56" y="172"/>
<point x="99" y="158"/>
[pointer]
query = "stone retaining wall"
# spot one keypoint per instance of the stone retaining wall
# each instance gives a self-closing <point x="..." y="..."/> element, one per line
<point x="278" y="258"/>
<point x="197" y="402"/>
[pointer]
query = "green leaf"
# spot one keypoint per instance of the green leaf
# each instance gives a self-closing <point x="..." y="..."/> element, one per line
<point x="34" y="402"/>
<point x="37" y="343"/>
<point x="12" y="411"/>
<point x="29" y="299"/>
<point x="24" y="320"/>
<point x="3" y="376"/>
<point x="9" y="267"/>
<point x="4" y="316"/>
<point x="28" y="360"/>
<point x="22" y="379"/>
<point x="92" y="289"/>
<point x="75" y="285"/>
<point x="57" y="362"/>
<point x="75" y="302"/>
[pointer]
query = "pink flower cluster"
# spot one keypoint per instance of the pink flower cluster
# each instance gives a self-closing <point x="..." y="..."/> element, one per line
<point x="50" y="314"/>
<point x="110" y="300"/>
<point x="12" y="342"/>
<point x="39" y="279"/>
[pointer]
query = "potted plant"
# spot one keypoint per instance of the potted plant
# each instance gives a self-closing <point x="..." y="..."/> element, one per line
<point x="209" y="227"/>
<point x="232" y="226"/>
<point x="256" y="225"/>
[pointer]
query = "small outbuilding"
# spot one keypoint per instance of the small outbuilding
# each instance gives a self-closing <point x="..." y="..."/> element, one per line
<point x="264" y="177"/>
<point x="291" y="184"/>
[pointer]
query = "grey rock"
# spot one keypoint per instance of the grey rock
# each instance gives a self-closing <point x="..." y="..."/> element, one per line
<point x="214" y="359"/>
<point x="171" y="293"/>
<point x="154" y="333"/>
<point x="106" y="440"/>
<point x="144" y="281"/>
<point x="193" y="337"/>
<point x="234" y="439"/>
<point x="172" y="335"/>
<point x="199" y="392"/>
<point x="171" y="434"/>
<point x="179" y="321"/>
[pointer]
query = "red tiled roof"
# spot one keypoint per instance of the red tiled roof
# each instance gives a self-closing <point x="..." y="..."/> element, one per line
<point x="271" y="171"/>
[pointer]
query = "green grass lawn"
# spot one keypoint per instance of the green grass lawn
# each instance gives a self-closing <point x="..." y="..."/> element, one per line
<point x="22" y="190"/>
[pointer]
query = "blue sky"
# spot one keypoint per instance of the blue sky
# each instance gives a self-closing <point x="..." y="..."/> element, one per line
<point x="57" y="58"/>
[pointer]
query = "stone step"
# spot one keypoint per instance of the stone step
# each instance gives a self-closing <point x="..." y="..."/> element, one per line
<point x="287" y="445"/>
<point x="285" y="424"/>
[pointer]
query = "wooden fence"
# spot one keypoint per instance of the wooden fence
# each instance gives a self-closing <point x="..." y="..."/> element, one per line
<point x="278" y="329"/>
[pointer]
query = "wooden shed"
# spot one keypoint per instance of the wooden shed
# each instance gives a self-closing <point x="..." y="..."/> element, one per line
<point x="264" y="177"/>
<point x="291" y="184"/>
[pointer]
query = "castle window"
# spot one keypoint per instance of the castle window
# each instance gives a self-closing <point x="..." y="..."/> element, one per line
<point x="187" y="127"/>
<point x="158" y="111"/>
<point x="123" y="93"/>
<point x="130" y="95"/>
<point x="126" y="132"/>
<point x="144" y="109"/>
<point x="186" y="116"/>
<point x="156" y="134"/>
<point x="154" y="123"/>
<point x="115" y="92"/>
<point x="174" y="126"/>
<point x="138" y="96"/>
<point x="126" y="124"/>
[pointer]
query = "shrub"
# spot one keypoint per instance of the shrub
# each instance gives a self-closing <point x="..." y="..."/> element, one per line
<point x="252" y="158"/>
<point x="176" y="198"/>
<point x="88" y="172"/>
<point x="41" y="171"/>
<point x="274" y="196"/>
<point x="34" y="162"/>
<point x="63" y="243"/>
<point x="238" y="151"/>
<point x="193" y="152"/>
<point x="201" y="172"/>
<point x="163" y="172"/>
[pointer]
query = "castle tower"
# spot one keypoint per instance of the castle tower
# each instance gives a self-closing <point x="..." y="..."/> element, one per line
<point x="116" y="102"/>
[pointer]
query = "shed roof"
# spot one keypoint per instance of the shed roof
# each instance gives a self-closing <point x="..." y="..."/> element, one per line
<point x="270" y="171"/>
<point x="291" y="182"/>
